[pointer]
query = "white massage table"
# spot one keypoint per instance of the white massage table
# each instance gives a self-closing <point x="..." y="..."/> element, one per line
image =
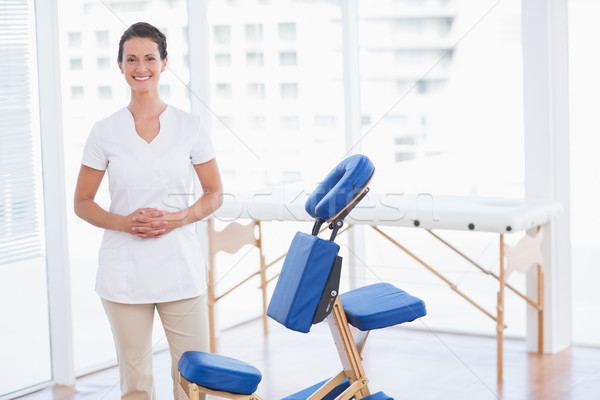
<point x="429" y="212"/>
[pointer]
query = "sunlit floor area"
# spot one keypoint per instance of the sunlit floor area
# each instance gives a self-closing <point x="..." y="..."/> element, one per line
<point x="405" y="364"/>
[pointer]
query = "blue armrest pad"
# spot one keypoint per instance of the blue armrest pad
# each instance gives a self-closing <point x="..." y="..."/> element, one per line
<point x="305" y="394"/>
<point x="380" y="305"/>
<point x="302" y="281"/>
<point x="218" y="372"/>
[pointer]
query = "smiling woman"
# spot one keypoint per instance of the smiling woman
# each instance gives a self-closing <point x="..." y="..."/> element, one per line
<point x="150" y="256"/>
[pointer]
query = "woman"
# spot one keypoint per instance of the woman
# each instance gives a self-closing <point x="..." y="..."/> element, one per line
<point x="150" y="256"/>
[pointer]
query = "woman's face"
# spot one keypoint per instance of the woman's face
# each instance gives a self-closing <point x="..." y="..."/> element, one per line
<point x="141" y="64"/>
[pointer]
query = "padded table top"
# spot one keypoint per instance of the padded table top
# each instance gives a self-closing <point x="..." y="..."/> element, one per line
<point x="484" y="214"/>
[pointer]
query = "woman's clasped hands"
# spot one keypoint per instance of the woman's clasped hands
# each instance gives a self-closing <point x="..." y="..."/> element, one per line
<point x="151" y="223"/>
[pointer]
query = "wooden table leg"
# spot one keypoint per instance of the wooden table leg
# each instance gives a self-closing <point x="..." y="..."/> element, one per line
<point x="540" y="287"/>
<point x="500" y="316"/>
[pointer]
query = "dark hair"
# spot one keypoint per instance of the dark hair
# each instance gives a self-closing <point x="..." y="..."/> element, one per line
<point x="144" y="30"/>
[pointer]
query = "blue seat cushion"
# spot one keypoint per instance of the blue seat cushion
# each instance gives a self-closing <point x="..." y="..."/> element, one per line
<point x="305" y="394"/>
<point x="380" y="305"/>
<point x="218" y="372"/>
<point x="302" y="281"/>
<point x="339" y="187"/>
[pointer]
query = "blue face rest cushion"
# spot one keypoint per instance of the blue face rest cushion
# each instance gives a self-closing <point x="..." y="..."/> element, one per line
<point x="342" y="184"/>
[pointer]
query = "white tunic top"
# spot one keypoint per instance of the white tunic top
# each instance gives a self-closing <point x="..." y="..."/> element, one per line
<point x="157" y="174"/>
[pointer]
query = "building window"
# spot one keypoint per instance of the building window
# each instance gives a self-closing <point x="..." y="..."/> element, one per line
<point x="102" y="39"/>
<point x="224" y="91"/>
<point x="324" y="121"/>
<point x="422" y="87"/>
<point x="75" y="39"/>
<point x="185" y="34"/>
<point x="254" y="33"/>
<point x="222" y="34"/>
<point x="257" y="122"/>
<point x="224" y="123"/>
<point x="105" y="92"/>
<point x="256" y="90"/>
<point x="76" y="63"/>
<point x="405" y="140"/>
<point x="287" y="31"/>
<point x="223" y="60"/>
<point x="103" y="63"/>
<point x="289" y="123"/>
<point x="254" y="59"/>
<point x="287" y="58"/>
<point x="288" y="90"/>
<point x="76" y="92"/>
<point x="165" y="91"/>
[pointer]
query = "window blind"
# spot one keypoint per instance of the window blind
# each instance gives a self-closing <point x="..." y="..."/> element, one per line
<point x="20" y="234"/>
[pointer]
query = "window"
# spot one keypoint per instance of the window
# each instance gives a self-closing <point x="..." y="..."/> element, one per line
<point x="289" y="90"/>
<point x="24" y="330"/>
<point x="102" y="39"/>
<point x="254" y="59"/>
<point x="287" y="58"/>
<point x="75" y="39"/>
<point x="222" y="34"/>
<point x="324" y="121"/>
<point x="287" y="31"/>
<point x="105" y="92"/>
<point x="224" y="91"/>
<point x="103" y="62"/>
<point x="225" y="123"/>
<point x="165" y="91"/>
<point x="257" y="122"/>
<point x="584" y="83"/>
<point x="223" y="60"/>
<point x="256" y="91"/>
<point x="75" y="64"/>
<point x="77" y="92"/>
<point x="421" y="80"/>
<point x="185" y="34"/>
<point x="258" y="157"/>
<point x="254" y="33"/>
<point x="289" y="123"/>
<point x="427" y="87"/>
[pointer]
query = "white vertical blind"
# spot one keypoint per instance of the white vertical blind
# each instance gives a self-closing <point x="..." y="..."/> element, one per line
<point x="19" y="220"/>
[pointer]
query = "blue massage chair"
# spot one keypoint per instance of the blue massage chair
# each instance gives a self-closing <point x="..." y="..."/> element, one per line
<point x="307" y="293"/>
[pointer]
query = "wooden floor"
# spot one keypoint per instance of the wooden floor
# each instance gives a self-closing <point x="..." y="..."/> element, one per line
<point x="405" y="364"/>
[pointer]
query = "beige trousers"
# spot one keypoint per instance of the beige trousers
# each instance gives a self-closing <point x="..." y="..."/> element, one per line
<point x="185" y="324"/>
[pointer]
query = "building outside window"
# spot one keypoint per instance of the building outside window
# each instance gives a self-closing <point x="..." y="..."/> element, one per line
<point x="76" y="64"/>
<point x="287" y="31"/>
<point x="103" y="63"/>
<point x="288" y="90"/>
<point x="102" y="39"/>
<point x="255" y="59"/>
<point x="254" y="33"/>
<point x="75" y="39"/>
<point x="287" y="58"/>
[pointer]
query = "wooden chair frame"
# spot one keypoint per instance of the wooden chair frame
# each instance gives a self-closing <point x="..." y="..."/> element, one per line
<point x="349" y="354"/>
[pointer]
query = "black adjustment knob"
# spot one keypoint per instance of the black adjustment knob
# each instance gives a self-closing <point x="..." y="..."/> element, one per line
<point x="509" y="228"/>
<point x="416" y="222"/>
<point x="471" y="226"/>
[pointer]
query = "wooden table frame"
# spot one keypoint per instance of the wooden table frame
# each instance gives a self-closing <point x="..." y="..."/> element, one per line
<point x="523" y="256"/>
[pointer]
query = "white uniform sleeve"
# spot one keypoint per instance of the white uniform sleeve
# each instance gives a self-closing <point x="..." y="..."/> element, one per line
<point x="94" y="155"/>
<point x="202" y="148"/>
